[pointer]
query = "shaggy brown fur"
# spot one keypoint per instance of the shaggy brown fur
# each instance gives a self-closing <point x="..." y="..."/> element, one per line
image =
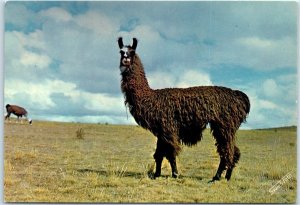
<point x="16" y="110"/>
<point x="179" y="115"/>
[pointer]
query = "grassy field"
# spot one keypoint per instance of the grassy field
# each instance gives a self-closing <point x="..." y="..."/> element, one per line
<point x="71" y="162"/>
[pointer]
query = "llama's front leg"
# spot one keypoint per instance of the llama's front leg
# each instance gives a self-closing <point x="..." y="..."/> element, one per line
<point x="158" y="161"/>
<point x="7" y="116"/>
<point x="158" y="156"/>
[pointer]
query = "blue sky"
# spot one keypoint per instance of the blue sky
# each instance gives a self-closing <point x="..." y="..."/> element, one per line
<point x="62" y="58"/>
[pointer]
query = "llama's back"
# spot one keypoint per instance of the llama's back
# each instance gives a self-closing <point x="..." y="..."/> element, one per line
<point x="17" y="110"/>
<point x="205" y="102"/>
<point x="191" y="109"/>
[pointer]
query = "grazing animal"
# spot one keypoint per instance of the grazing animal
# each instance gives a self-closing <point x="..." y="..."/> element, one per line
<point x="179" y="115"/>
<point x="18" y="111"/>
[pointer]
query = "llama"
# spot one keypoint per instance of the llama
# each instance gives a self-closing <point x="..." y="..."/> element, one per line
<point x="18" y="111"/>
<point x="179" y="115"/>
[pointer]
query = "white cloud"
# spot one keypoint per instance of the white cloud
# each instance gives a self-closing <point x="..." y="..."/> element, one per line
<point x="193" y="78"/>
<point x="97" y="22"/>
<point x="259" y="108"/>
<point x="265" y="104"/>
<point x="265" y="54"/>
<point x="82" y="48"/>
<point x="35" y="60"/>
<point x="258" y="104"/>
<point x="102" y="102"/>
<point x="18" y="14"/>
<point x="58" y="14"/>
<point x="36" y="94"/>
<point x="256" y="42"/>
<point x="270" y="111"/>
<point x="31" y="40"/>
<point x="186" y="79"/>
<point x="158" y="80"/>
<point x="145" y="31"/>
<point x="289" y="87"/>
<point x="270" y="88"/>
<point x="25" y="52"/>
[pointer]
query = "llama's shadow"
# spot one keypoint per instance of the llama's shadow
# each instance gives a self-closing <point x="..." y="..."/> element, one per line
<point x="136" y="175"/>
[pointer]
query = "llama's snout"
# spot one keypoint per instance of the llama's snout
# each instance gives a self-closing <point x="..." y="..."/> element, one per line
<point x="126" y="61"/>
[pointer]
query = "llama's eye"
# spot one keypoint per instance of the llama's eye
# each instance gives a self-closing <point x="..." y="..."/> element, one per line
<point x="122" y="52"/>
<point x="132" y="53"/>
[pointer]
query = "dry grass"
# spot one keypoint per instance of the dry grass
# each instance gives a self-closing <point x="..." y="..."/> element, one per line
<point x="46" y="163"/>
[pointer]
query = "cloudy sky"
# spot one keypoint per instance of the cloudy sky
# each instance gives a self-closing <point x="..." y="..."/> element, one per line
<point x="62" y="58"/>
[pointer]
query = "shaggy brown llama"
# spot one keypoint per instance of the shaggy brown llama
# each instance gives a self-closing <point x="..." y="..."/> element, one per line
<point x="18" y="111"/>
<point x="179" y="115"/>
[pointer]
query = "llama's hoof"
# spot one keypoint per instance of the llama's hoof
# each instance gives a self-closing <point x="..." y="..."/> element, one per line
<point x="227" y="177"/>
<point x="156" y="175"/>
<point x="228" y="174"/>
<point x="213" y="180"/>
<point x="175" y="175"/>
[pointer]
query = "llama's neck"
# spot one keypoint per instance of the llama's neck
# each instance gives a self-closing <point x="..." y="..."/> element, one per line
<point x="134" y="84"/>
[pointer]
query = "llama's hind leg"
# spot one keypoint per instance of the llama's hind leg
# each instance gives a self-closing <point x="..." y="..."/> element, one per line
<point x="236" y="158"/>
<point x="172" y="160"/>
<point x="221" y="168"/>
<point x="172" y="150"/>
<point x="225" y="147"/>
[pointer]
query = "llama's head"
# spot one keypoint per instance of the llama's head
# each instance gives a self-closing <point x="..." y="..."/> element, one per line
<point x="127" y="54"/>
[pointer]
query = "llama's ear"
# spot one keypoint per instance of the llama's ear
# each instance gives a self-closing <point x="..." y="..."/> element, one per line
<point x="134" y="44"/>
<point x="120" y="42"/>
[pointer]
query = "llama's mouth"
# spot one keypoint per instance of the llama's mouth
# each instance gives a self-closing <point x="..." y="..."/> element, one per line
<point x="126" y="62"/>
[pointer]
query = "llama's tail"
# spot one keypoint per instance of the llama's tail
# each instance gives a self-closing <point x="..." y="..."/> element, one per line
<point x="245" y="102"/>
